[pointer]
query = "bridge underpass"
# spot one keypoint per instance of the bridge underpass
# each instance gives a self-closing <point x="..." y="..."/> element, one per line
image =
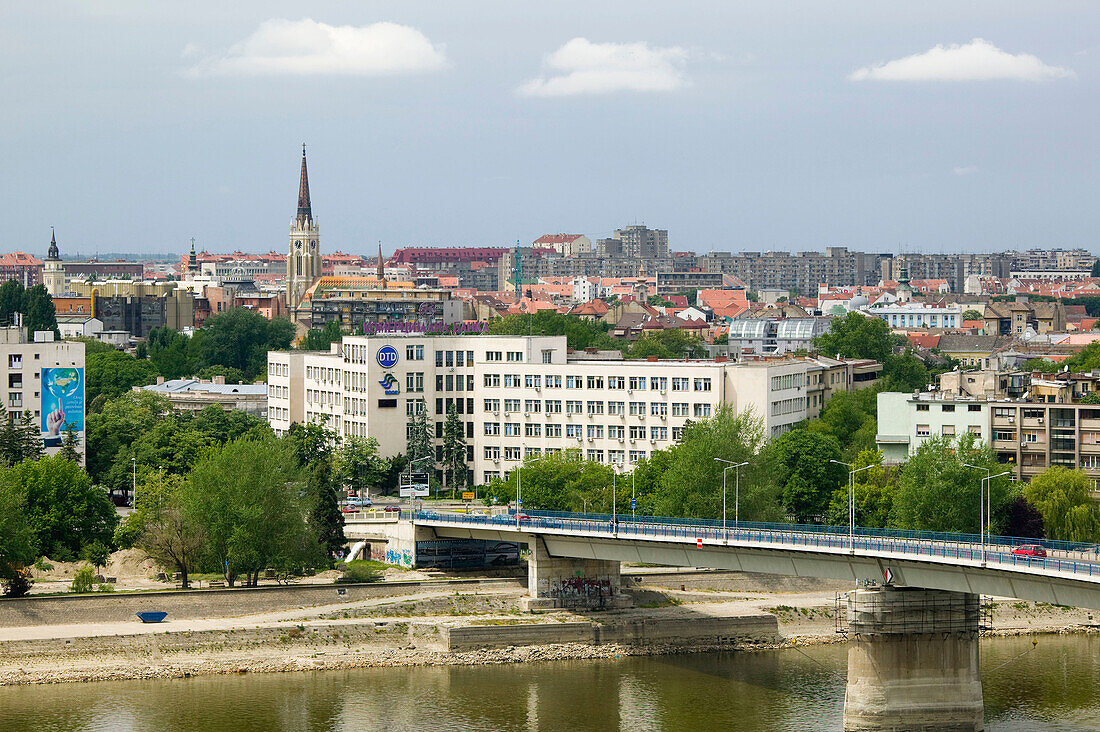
<point x="913" y="653"/>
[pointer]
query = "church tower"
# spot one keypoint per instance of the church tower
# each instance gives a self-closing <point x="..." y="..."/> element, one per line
<point x="53" y="273"/>
<point x="303" y="262"/>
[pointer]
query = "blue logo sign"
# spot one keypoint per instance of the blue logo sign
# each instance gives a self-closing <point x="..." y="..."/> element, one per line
<point x="387" y="357"/>
<point x="390" y="385"/>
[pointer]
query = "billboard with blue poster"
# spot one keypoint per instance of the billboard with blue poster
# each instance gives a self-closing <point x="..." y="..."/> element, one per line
<point x="62" y="403"/>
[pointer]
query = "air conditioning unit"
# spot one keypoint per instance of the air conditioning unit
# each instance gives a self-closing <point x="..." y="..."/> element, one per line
<point x="621" y="439"/>
<point x="1040" y="420"/>
<point x="579" y="438"/>
<point x="632" y="440"/>
<point x="653" y="442"/>
<point x="641" y="417"/>
<point x="496" y="460"/>
<point x="538" y="388"/>
<point x="526" y="414"/>
<point x="496" y="413"/>
<point x="663" y="391"/>
<point x="629" y="391"/>
<point x="663" y="418"/>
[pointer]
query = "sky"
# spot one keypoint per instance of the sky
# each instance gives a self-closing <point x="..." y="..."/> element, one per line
<point x="881" y="126"/>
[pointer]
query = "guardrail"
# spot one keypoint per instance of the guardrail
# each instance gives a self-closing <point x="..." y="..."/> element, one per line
<point x="913" y="547"/>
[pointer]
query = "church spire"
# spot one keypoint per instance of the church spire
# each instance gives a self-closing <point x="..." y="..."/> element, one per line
<point x="305" y="213"/>
<point x="381" y="267"/>
<point x="53" y="253"/>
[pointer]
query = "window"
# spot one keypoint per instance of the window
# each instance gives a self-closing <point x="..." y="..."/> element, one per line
<point x="947" y="407"/>
<point x="574" y="430"/>
<point x="595" y="456"/>
<point x="616" y="382"/>
<point x="680" y="409"/>
<point x="492" y="429"/>
<point x="680" y="384"/>
<point x="787" y="381"/>
<point x="530" y="451"/>
<point x="439" y="358"/>
<point x="658" y="383"/>
<point x="414" y="407"/>
<point x="658" y="409"/>
<point x="637" y="382"/>
<point x="922" y="407"/>
<point x="616" y="457"/>
<point x="975" y="430"/>
<point x="532" y="381"/>
<point x="595" y="407"/>
<point x="677" y="433"/>
<point x="491" y="475"/>
<point x="515" y="356"/>
<point x="574" y="382"/>
<point x="702" y="385"/>
<point x="973" y="407"/>
<point x="702" y="410"/>
<point x="553" y="406"/>
<point x="532" y="405"/>
<point x="616" y="431"/>
<point x="493" y="356"/>
<point x="492" y="452"/>
<point x="512" y="453"/>
<point x="460" y="358"/>
<point x="532" y="429"/>
<point x="658" y="433"/>
<point x="616" y="408"/>
<point x="547" y="356"/>
<point x="922" y="430"/>
<point x="439" y="382"/>
<point x="414" y="353"/>
<point x="636" y="455"/>
<point x="450" y="381"/>
<point x="511" y="405"/>
<point x="595" y="431"/>
<point x="948" y="430"/>
<point x="574" y="407"/>
<point x="492" y="405"/>
<point x="553" y="430"/>
<point x="637" y="408"/>
<point x="15" y="361"/>
<point x="595" y="382"/>
<point x="449" y="358"/>
<point x="637" y="432"/>
<point x="414" y="381"/>
<point x="1007" y="435"/>
<point x="1008" y="413"/>
<point x="512" y="381"/>
<point x="492" y="380"/>
<point x="512" y="429"/>
<point x="553" y="381"/>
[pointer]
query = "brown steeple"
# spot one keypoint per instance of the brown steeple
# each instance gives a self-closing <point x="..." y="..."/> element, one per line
<point x="381" y="267"/>
<point x="53" y="253"/>
<point x="305" y="213"/>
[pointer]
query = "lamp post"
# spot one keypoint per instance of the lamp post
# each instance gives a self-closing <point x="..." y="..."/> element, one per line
<point x="519" y="496"/>
<point x="736" y="467"/>
<point x="133" y="498"/>
<point x="852" y="470"/>
<point x="985" y="503"/>
<point x="633" y="496"/>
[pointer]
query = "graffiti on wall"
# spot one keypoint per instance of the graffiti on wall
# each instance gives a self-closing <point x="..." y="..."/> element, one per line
<point x="400" y="557"/>
<point x="582" y="592"/>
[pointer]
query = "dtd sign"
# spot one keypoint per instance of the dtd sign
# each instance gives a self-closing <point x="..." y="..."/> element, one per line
<point x="386" y="357"/>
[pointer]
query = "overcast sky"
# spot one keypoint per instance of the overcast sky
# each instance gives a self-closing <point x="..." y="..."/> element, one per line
<point x="883" y="126"/>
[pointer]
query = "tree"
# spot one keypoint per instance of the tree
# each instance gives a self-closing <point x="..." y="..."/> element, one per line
<point x="117" y="426"/>
<point x="454" y="451"/>
<point x="937" y="491"/>
<point x="690" y="483"/>
<point x="320" y="339"/>
<point x="231" y="375"/>
<point x="667" y="343"/>
<point x="358" y="464"/>
<point x="247" y="497"/>
<point x="19" y="439"/>
<point x="972" y="314"/>
<point x="170" y="353"/>
<point x="857" y="336"/>
<point x="70" y="444"/>
<point x="1064" y="498"/>
<point x="11" y="301"/>
<point x="904" y="372"/>
<point x="562" y="481"/>
<point x="174" y="540"/>
<point x="1024" y="520"/>
<point x="1095" y="269"/>
<point x="874" y="493"/>
<point x="114" y="373"/>
<point x="240" y="338"/>
<point x="312" y="442"/>
<point x="17" y="547"/>
<point x="579" y="333"/>
<point x="419" y="443"/>
<point x="325" y="518"/>
<point x="64" y="510"/>
<point x="39" y="312"/>
<point x="852" y="418"/>
<point x="801" y="460"/>
<point x="95" y="553"/>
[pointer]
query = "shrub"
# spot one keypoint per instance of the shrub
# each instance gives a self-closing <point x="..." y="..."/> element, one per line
<point x="18" y="585"/>
<point x="359" y="572"/>
<point x="83" y="580"/>
<point x="104" y="587"/>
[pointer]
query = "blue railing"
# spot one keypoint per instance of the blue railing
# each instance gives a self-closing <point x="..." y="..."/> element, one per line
<point x="955" y="548"/>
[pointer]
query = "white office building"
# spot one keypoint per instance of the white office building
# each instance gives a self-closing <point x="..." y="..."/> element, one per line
<point x="522" y="395"/>
<point x="918" y="315"/>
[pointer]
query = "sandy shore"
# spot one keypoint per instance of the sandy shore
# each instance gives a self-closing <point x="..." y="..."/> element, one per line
<point x="383" y="632"/>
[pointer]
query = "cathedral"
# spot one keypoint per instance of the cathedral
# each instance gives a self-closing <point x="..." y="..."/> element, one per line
<point x="303" y="261"/>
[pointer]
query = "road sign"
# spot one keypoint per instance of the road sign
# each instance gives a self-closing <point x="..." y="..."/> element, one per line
<point x="468" y="495"/>
<point x="888" y="576"/>
<point x="633" y="504"/>
<point x="699" y="542"/>
<point x="414" y="491"/>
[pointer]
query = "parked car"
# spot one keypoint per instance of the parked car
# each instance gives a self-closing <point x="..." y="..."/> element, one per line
<point x="393" y="508"/>
<point x="1030" y="550"/>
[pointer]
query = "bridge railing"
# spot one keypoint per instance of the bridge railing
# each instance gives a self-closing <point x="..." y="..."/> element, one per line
<point x="941" y="536"/>
<point x="779" y="534"/>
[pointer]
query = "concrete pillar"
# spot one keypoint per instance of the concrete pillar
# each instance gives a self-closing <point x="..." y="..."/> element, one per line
<point x="554" y="582"/>
<point x="913" y="660"/>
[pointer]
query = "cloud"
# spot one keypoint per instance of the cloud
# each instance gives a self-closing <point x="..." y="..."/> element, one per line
<point x="964" y="170"/>
<point x="978" y="60"/>
<point x="583" y="67"/>
<point x="307" y="47"/>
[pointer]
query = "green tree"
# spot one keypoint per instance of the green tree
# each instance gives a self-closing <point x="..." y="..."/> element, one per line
<point x="95" y="553"/>
<point x="70" y="444"/>
<point x="170" y="353"/>
<point x="972" y="314"/>
<point x="240" y="338"/>
<point x="247" y="497"/>
<point x="17" y="546"/>
<point x="579" y="333"/>
<point x="320" y="339"/>
<point x="1095" y="272"/>
<point x="114" y="373"/>
<point x="39" y="312"/>
<point x="117" y="426"/>
<point x="326" y="521"/>
<point x="419" y="443"/>
<point x="64" y="510"/>
<point x="91" y="345"/>
<point x="454" y="451"/>
<point x="561" y="481"/>
<point x="19" y="439"/>
<point x="231" y="376"/>
<point x="938" y="492"/>
<point x="857" y="336"/>
<point x="801" y="462"/>
<point x="175" y="540"/>
<point x="667" y="343"/>
<point x="312" y="442"/>
<point x="358" y="464"/>
<point x="904" y="372"/>
<point x="851" y="418"/>
<point x="874" y="493"/>
<point x="11" y="301"/>
<point x="1064" y="498"/>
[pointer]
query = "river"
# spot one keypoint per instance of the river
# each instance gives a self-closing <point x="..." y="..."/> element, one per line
<point x="1052" y="687"/>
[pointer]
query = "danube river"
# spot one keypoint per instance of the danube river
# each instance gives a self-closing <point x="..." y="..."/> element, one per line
<point x="1056" y="686"/>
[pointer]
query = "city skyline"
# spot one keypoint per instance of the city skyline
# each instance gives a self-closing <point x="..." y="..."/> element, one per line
<point x="934" y="129"/>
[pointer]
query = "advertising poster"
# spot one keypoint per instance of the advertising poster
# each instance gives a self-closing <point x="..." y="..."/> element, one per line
<point x="62" y="403"/>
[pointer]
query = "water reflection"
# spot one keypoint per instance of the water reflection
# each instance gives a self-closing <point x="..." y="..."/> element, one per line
<point x="1052" y="687"/>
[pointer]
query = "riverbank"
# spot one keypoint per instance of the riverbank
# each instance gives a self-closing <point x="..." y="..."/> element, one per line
<point x="439" y="626"/>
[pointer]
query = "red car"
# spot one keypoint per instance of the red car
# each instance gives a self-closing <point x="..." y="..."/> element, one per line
<point x="522" y="517"/>
<point x="1030" y="550"/>
<point x="392" y="508"/>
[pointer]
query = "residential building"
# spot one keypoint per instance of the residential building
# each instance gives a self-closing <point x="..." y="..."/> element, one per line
<point x="568" y="245"/>
<point x="637" y="242"/>
<point x="23" y="268"/>
<point x="522" y="395"/>
<point x="194" y="395"/>
<point x="672" y="283"/>
<point x="903" y="315"/>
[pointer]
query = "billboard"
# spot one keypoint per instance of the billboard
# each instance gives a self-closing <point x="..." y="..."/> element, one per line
<point x="62" y="403"/>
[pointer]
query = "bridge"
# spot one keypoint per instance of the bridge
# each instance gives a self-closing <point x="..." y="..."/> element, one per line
<point x="913" y="655"/>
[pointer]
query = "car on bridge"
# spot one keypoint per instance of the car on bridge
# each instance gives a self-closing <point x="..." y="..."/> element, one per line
<point x="1030" y="550"/>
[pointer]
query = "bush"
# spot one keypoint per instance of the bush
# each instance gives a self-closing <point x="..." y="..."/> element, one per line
<point x="18" y="585"/>
<point x="104" y="587"/>
<point x="83" y="580"/>
<point x="359" y="571"/>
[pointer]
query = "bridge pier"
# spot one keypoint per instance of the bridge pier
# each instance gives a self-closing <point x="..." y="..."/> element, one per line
<point x="554" y="582"/>
<point x="913" y="660"/>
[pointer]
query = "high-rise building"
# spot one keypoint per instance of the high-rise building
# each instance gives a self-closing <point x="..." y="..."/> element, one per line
<point x="303" y="261"/>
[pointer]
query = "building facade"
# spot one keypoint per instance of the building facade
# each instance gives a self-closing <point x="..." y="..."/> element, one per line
<point x="520" y="396"/>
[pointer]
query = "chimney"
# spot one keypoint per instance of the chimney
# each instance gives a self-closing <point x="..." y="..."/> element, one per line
<point x="160" y="380"/>
<point x="219" y="379"/>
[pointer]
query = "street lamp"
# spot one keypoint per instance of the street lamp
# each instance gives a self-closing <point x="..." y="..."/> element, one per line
<point x="985" y="507"/>
<point x="737" y="490"/>
<point x="852" y="470"/>
<point x="519" y="498"/>
<point x="133" y="498"/>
